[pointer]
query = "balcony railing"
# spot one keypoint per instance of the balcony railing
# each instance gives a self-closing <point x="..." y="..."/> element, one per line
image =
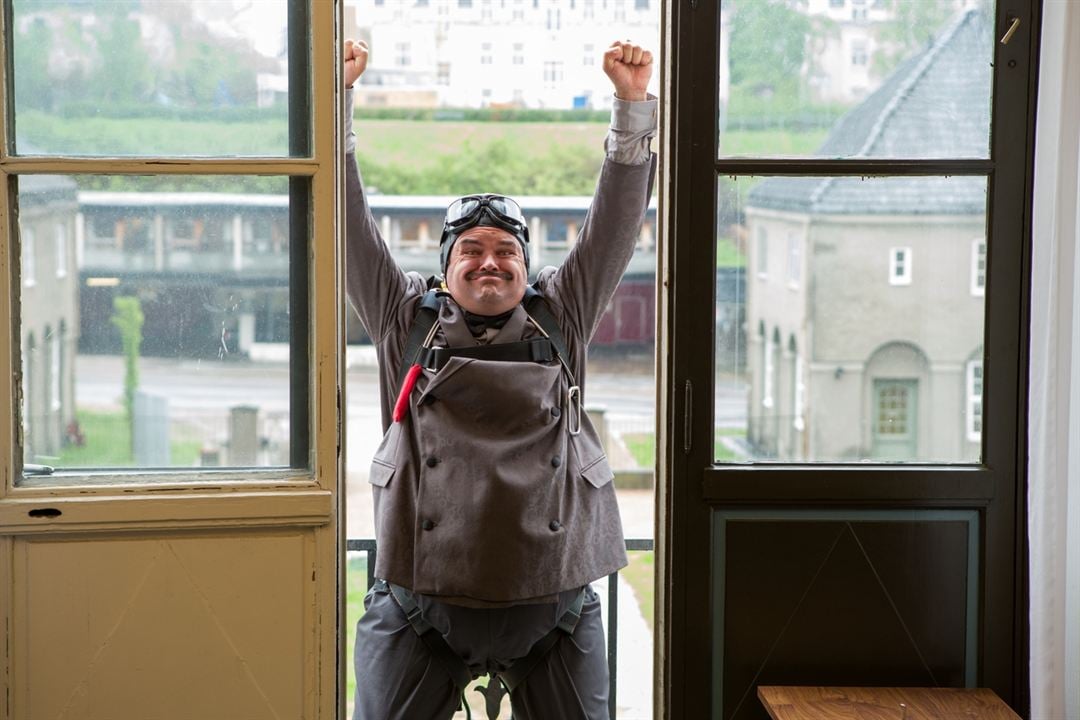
<point x="367" y="545"/>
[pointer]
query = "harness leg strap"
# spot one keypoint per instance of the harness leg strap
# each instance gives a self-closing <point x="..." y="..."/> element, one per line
<point x="436" y="643"/>
<point x="514" y="675"/>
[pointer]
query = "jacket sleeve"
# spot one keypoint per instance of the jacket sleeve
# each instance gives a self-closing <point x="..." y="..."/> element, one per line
<point x="376" y="286"/>
<point x="586" y="280"/>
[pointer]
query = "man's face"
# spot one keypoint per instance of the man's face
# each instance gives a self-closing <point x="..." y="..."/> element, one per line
<point x="486" y="272"/>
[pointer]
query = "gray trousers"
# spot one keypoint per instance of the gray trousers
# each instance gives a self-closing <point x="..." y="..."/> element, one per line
<point x="398" y="679"/>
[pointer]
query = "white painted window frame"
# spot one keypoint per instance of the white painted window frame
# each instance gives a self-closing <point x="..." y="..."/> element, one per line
<point x="61" y="250"/>
<point x="900" y="273"/>
<point x="978" y="275"/>
<point x="973" y="400"/>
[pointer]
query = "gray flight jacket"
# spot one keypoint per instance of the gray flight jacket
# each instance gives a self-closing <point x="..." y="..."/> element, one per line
<point x="484" y="495"/>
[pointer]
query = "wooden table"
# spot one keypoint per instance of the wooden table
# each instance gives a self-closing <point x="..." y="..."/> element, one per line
<point x="871" y="703"/>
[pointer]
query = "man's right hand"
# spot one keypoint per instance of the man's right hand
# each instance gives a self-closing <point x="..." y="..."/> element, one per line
<point x="355" y="58"/>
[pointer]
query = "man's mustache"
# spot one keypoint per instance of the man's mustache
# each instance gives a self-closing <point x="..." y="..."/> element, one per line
<point x="489" y="273"/>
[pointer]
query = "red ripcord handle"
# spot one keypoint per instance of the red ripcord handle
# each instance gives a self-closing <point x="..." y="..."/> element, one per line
<point x="401" y="407"/>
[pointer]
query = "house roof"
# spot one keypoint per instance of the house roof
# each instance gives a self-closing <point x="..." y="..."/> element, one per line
<point x="936" y="104"/>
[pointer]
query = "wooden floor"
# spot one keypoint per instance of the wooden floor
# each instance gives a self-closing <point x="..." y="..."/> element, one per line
<point x="838" y="703"/>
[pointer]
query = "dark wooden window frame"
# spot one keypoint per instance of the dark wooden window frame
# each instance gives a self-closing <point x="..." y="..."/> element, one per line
<point x="693" y="485"/>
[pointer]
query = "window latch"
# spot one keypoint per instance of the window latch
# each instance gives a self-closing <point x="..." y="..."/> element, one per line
<point x="1012" y="29"/>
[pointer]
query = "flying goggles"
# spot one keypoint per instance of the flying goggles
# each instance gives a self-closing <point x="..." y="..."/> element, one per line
<point x="488" y="210"/>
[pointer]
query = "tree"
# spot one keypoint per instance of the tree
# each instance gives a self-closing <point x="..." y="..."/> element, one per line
<point x="913" y="26"/>
<point x="126" y="74"/>
<point x="33" y="86"/>
<point x="768" y="45"/>
<point x="128" y="319"/>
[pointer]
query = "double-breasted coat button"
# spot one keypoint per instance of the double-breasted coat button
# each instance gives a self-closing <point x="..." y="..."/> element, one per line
<point x="432" y="461"/>
<point x="554" y="525"/>
<point x="428" y="525"/>
<point x="556" y="461"/>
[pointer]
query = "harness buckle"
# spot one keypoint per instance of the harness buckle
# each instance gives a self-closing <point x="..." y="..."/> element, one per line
<point x="573" y="399"/>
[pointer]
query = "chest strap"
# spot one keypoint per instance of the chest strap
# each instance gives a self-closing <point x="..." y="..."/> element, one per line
<point x="427" y="313"/>
<point x="537" y="349"/>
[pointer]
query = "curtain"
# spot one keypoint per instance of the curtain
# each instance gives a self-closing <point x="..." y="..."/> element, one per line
<point x="1054" y="388"/>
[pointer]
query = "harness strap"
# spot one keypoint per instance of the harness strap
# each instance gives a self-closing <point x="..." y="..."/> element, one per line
<point x="540" y="311"/>
<point x="436" y="643"/>
<point x="514" y="675"/>
<point x="427" y="313"/>
<point x="537" y="349"/>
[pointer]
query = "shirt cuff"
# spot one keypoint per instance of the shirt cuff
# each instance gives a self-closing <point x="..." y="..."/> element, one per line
<point x="633" y="125"/>
<point x="350" y="136"/>
<point x="634" y="117"/>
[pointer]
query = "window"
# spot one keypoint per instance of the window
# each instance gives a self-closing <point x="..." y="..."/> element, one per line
<point x="900" y="266"/>
<point x="641" y="4"/>
<point x="762" y="253"/>
<point x="978" y="266"/>
<point x="189" y="269"/>
<point x="588" y="56"/>
<point x="61" y="250"/>
<point x="442" y="73"/>
<point x="799" y="395"/>
<point x="29" y="258"/>
<point x="485" y="53"/>
<point x="553" y="73"/>
<point x="794" y="263"/>
<point x="769" y="374"/>
<point x="974" y="402"/>
<point x="836" y="3"/>
<point x="858" y="53"/>
<point x="402" y="54"/>
<point x="55" y="366"/>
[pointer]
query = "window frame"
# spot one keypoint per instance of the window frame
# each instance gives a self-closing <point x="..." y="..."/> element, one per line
<point x="314" y="166"/>
<point x="978" y="274"/>
<point x="900" y="270"/>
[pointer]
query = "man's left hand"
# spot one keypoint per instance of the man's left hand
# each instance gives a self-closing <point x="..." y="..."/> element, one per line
<point x="629" y="68"/>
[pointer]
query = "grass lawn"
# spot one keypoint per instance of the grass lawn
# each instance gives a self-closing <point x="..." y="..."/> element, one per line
<point x="108" y="443"/>
<point x="728" y="254"/>
<point x="643" y="446"/>
<point x="770" y="142"/>
<point x="417" y="143"/>
<point x="639" y="574"/>
<point x="355" y="589"/>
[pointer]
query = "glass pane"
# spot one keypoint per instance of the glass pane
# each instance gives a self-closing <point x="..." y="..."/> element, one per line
<point x="848" y="325"/>
<point x="509" y="96"/>
<point x="856" y="78"/>
<point x="144" y="77"/>
<point x="155" y="321"/>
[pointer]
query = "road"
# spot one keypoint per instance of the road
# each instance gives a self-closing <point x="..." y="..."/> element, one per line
<point x="211" y="386"/>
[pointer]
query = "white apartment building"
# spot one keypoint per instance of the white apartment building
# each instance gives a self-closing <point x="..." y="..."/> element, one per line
<point x="495" y="53"/>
